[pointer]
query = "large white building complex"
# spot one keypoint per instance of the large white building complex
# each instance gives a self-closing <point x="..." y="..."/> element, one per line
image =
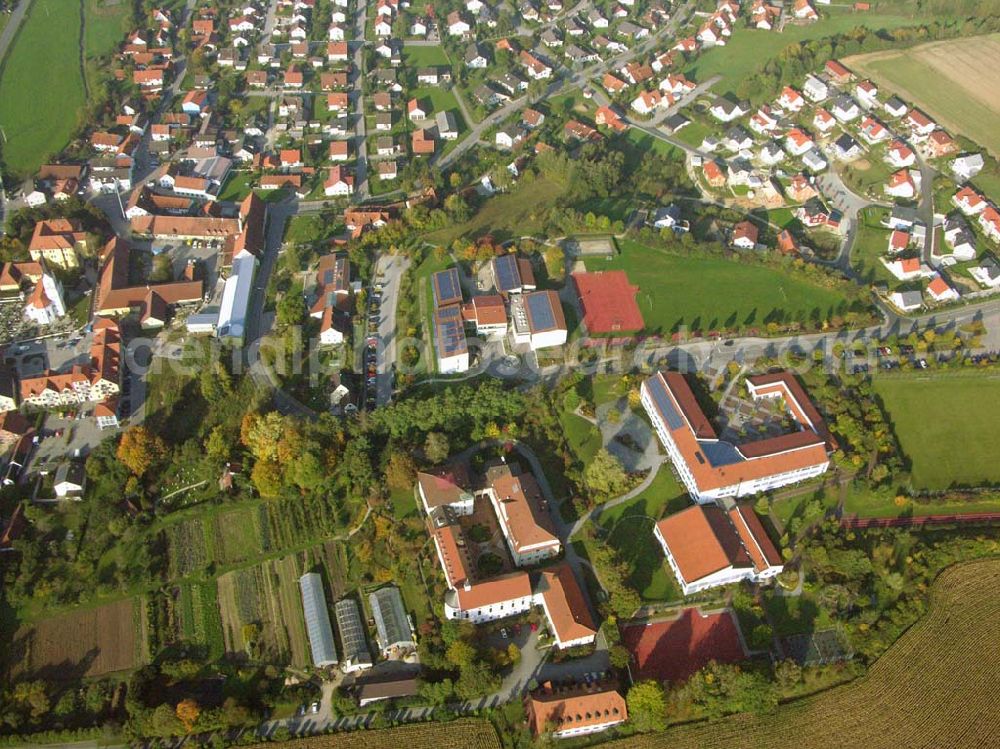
<point x="707" y="546"/>
<point x="523" y="520"/>
<point x="712" y="468"/>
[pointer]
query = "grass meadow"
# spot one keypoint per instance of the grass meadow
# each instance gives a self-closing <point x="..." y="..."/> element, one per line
<point x="946" y="424"/>
<point x="42" y="88"/>
<point x="749" y="49"/>
<point x="705" y="293"/>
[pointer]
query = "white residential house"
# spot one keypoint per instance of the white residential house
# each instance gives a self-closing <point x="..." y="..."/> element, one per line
<point x="845" y="109"/>
<point x="903" y="184"/>
<point x="939" y="290"/>
<point x="907" y="301"/>
<point x="967" y="166"/>
<point x="815" y="161"/>
<point x="895" y="107"/>
<point x="987" y="272"/>
<point x="726" y="110"/>
<point x="900" y="155"/>
<point x="815" y="89"/>
<point x="907" y="269"/>
<point x="960" y="239"/>
<point x="791" y="100"/>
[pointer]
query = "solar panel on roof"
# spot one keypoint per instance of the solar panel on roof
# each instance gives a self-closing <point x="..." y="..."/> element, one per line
<point x="540" y="312"/>
<point x="664" y="403"/>
<point x="446" y="286"/>
<point x="508" y="276"/>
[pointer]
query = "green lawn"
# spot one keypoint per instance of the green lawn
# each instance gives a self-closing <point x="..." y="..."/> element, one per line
<point x="584" y="438"/>
<point x="105" y="27"/>
<point x="868" y="176"/>
<point x="748" y="50"/>
<point x="424" y="56"/>
<point x="694" y="133"/>
<point x="42" y="85"/>
<point x="514" y="214"/>
<point x="866" y="503"/>
<point x="870" y="246"/>
<point x="403" y="503"/>
<point x="656" y="145"/>
<point x="236" y="188"/>
<point x="424" y="291"/>
<point x="705" y="293"/>
<point x="630" y="527"/>
<point x="946" y="424"/>
<point x="440" y="100"/>
<point x="988" y="180"/>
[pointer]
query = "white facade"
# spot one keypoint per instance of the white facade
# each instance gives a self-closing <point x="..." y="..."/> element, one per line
<point x="489" y="612"/>
<point x="55" y="307"/>
<point x="455" y="364"/>
<point x="726" y="576"/>
<point x="236" y="297"/>
<point x="740" y="489"/>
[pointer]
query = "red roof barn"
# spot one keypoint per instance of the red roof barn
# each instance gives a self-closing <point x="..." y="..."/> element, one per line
<point x="608" y="302"/>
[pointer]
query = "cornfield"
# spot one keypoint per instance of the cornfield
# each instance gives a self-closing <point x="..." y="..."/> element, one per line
<point x="937" y="687"/>
<point x="460" y="734"/>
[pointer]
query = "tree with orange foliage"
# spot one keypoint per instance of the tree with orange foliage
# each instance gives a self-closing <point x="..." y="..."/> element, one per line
<point x="187" y="713"/>
<point x="140" y="449"/>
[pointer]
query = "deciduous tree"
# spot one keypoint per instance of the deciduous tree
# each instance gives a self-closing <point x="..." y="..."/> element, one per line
<point x="139" y="449"/>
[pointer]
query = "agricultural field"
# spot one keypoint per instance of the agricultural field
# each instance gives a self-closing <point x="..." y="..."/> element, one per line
<point x="748" y="50"/>
<point x="266" y="596"/>
<point x="910" y="697"/>
<point x="92" y="642"/>
<point x="42" y="80"/>
<point x="957" y="82"/>
<point x="946" y="424"/>
<point x="199" y="622"/>
<point x="704" y="293"/>
<point x="224" y="539"/>
<point x="468" y="733"/>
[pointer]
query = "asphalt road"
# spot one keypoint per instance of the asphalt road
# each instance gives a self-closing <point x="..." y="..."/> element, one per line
<point x="13" y="23"/>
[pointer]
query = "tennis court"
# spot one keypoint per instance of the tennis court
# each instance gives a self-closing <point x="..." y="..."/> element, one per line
<point x="674" y="649"/>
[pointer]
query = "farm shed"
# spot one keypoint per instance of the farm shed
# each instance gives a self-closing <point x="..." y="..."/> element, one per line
<point x="324" y="652"/>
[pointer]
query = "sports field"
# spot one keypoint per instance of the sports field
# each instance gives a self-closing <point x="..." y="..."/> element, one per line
<point x="42" y="82"/>
<point x="957" y="82"/>
<point x="707" y="293"/>
<point x="935" y="687"/>
<point x="673" y="650"/>
<point x="947" y="426"/>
